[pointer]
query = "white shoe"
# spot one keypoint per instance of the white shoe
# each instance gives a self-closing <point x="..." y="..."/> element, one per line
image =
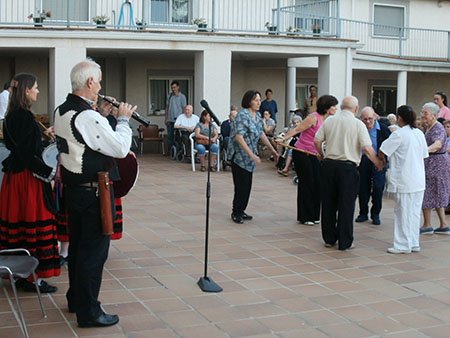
<point x="308" y="223"/>
<point x="415" y="249"/>
<point x="397" y="251"/>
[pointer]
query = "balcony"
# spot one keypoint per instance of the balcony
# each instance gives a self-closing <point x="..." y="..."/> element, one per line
<point x="276" y="18"/>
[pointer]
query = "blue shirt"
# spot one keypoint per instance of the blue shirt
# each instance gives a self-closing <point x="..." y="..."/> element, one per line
<point x="251" y="129"/>
<point x="271" y="106"/>
<point x="373" y="136"/>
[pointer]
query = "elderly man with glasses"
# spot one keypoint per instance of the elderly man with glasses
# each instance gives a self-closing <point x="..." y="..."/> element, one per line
<point x="372" y="181"/>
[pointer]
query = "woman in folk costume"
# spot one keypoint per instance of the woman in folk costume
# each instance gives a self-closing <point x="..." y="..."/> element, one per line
<point x="25" y="201"/>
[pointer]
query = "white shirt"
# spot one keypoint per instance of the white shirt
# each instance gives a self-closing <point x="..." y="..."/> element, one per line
<point x="4" y="99"/>
<point x="406" y="148"/>
<point x="183" y="121"/>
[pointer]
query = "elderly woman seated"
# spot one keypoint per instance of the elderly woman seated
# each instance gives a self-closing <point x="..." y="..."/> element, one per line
<point x="202" y="140"/>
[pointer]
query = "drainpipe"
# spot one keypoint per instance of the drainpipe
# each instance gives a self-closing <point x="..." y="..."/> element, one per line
<point x="400" y="41"/>
<point x="213" y="19"/>
<point x="278" y="16"/>
<point x="338" y="19"/>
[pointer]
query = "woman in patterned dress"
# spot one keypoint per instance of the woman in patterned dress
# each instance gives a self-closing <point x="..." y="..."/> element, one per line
<point x="437" y="171"/>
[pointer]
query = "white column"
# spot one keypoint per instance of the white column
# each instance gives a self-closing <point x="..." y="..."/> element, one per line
<point x="61" y="62"/>
<point x="332" y="74"/>
<point x="402" y="88"/>
<point x="291" y="84"/>
<point x="213" y="80"/>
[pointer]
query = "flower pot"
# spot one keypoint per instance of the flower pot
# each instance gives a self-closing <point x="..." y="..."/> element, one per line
<point x="38" y="21"/>
<point x="272" y="30"/>
<point x="316" y="31"/>
<point x="140" y="26"/>
<point x="101" y="24"/>
<point x="202" y="27"/>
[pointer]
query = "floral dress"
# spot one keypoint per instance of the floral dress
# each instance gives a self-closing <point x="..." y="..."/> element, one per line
<point x="437" y="170"/>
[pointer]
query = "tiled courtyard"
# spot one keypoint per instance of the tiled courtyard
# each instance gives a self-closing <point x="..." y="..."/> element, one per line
<point x="278" y="279"/>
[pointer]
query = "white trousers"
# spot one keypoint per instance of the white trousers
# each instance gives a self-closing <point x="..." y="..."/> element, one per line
<point x="407" y="210"/>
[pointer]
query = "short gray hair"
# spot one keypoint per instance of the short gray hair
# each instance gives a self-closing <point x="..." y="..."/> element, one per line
<point x="432" y="107"/>
<point x="82" y="71"/>
<point x="349" y="102"/>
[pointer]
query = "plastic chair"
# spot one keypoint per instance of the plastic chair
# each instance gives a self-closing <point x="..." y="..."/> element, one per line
<point x="194" y="152"/>
<point x="151" y="133"/>
<point x="14" y="266"/>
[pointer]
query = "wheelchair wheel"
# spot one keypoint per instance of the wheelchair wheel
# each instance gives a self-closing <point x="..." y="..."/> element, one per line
<point x="173" y="152"/>
<point x="295" y="180"/>
<point x="224" y="165"/>
<point x="180" y="156"/>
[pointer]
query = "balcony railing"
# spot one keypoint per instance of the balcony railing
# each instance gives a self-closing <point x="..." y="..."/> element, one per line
<point x="319" y="18"/>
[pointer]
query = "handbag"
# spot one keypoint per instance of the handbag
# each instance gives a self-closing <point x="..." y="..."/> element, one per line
<point x="203" y="141"/>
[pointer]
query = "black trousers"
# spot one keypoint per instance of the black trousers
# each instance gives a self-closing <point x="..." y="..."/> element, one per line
<point x="88" y="251"/>
<point x="372" y="184"/>
<point x="339" y="186"/>
<point x="307" y="168"/>
<point x="242" y="180"/>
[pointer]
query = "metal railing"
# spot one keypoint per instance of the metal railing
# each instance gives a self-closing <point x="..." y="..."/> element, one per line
<point x="291" y="18"/>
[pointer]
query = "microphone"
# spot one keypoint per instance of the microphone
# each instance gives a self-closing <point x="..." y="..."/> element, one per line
<point x="135" y="115"/>
<point x="205" y="105"/>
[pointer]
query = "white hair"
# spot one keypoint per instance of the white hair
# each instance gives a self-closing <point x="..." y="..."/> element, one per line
<point x="296" y="118"/>
<point x="82" y="71"/>
<point x="432" y="107"/>
<point x="349" y="102"/>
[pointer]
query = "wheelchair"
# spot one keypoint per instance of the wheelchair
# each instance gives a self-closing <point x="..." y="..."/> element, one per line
<point x="224" y="153"/>
<point x="179" y="151"/>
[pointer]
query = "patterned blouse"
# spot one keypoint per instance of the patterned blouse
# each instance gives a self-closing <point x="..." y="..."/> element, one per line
<point x="251" y="129"/>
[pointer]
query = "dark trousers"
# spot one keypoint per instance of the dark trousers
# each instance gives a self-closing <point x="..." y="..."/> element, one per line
<point x="242" y="180"/>
<point x="307" y="168"/>
<point x="372" y="184"/>
<point x="170" y="134"/>
<point x="88" y="251"/>
<point x="339" y="186"/>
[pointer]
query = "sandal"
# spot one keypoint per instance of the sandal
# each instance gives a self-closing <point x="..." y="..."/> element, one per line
<point x="282" y="172"/>
<point x="203" y="168"/>
<point x="214" y="168"/>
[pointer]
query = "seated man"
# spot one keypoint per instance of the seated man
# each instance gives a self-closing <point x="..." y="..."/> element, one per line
<point x="225" y="127"/>
<point x="186" y="123"/>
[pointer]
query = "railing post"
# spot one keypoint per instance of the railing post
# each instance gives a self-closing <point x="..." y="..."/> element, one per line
<point x="213" y="14"/>
<point x="278" y="16"/>
<point x="400" y="41"/>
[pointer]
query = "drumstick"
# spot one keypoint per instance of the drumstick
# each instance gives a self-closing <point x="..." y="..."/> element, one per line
<point x="45" y="128"/>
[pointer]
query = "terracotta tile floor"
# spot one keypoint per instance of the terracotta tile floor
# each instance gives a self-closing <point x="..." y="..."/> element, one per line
<point x="278" y="278"/>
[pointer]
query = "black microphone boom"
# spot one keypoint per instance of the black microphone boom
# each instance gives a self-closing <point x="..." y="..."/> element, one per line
<point x="135" y="115"/>
<point x="205" y="105"/>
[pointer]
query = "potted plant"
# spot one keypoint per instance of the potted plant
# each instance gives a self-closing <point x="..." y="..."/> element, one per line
<point x="39" y="17"/>
<point x="140" y="24"/>
<point x="271" y="28"/>
<point x="292" y="30"/>
<point x="315" y="29"/>
<point x="100" y="20"/>
<point x="201" y="24"/>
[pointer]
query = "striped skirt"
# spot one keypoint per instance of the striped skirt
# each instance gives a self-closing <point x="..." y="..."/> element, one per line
<point x="25" y="221"/>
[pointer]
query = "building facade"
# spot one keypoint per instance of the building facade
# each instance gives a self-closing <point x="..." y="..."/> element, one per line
<point x="386" y="53"/>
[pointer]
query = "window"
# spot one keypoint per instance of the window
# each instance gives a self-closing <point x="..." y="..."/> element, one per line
<point x="384" y="99"/>
<point x="386" y="16"/>
<point x="77" y="10"/>
<point x="169" y="11"/>
<point x="159" y="88"/>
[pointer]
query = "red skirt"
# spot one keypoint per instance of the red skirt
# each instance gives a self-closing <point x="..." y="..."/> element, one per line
<point x="63" y="223"/>
<point x="26" y="223"/>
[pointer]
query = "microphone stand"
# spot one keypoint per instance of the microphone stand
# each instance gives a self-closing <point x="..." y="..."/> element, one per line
<point x="205" y="283"/>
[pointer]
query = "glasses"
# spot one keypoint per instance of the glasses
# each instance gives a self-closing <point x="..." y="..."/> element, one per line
<point x="368" y="119"/>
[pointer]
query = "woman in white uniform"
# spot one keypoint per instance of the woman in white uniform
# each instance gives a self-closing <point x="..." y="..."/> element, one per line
<point x="406" y="149"/>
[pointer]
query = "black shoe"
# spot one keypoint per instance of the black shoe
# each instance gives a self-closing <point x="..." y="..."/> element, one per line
<point x="361" y="218"/>
<point x="376" y="220"/>
<point x="102" y="321"/>
<point x="246" y="217"/>
<point x="27" y="286"/>
<point x="62" y="260"/>
<point x="237" y="219"/>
